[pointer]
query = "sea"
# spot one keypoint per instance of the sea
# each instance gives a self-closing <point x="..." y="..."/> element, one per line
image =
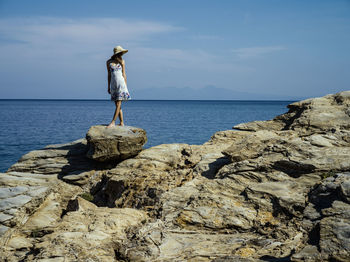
<point x="28" y="124"/>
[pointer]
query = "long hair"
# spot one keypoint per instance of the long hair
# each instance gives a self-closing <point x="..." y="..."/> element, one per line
<point x="118" y="58"/>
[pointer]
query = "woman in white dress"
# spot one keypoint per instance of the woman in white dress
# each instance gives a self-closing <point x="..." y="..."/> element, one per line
<point x="117" y="83"/>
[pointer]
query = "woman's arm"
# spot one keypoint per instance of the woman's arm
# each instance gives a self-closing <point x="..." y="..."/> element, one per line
<point x="124" y="74"/>
<point x="109" y="78"/>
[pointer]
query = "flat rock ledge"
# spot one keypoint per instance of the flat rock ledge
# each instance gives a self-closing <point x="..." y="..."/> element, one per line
<point x="277" y="190"/>
<point x="114" y="144"/>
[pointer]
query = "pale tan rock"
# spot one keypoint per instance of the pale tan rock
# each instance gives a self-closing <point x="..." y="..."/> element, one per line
<point x="19" y="196"/>
<point x="326" y="113"/>
<point x="117" y="143"/>
<point x="157" y="243"/>
<point x="55" y="159"/>
<point x="80" y="204"/>
<point x="283" y="194"/>
<point x="14" y="202"/>
<point x="319" y="140"/>
<point x="260" y="125"/>
<point x="90" y="234"/>
<point x="4" y="217"/>
<point x="79" y="178"/>
<point x="288" y="152"/>
<point x="20" y="242"/>
<point x="47" y="214"/>
<point x="13" y="179"/>
<point x="55" y="259"/>
<point x="308" y="253"/>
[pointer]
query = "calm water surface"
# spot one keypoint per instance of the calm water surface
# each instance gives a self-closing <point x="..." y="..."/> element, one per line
<point x="32" y="124"/>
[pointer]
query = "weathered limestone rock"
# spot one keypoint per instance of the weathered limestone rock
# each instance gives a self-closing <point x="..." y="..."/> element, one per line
<point x="89" y="234"/>
<point x="117" y="143"/>
<point x="28" y="184"/>
<point x="157" y="243"/>
<point x="80" y="178"/>
<point x="293" y="154"/>
<point x="46" y="215"/>
<point x="80" y="204"/>
<point x="20" y="194"/>
<point x="20" y="242"/>
<point x="171" y="183"/>
<point x="329" y="221"/>
<point x="308" y="253"/>
<point x="139" y="182"/>
<point x="326" y="113"/>
<point x="34" y="183"/>
<point x="260" y="125"/>
<point x="60" y="159"/>
<point x="277" y="191"/>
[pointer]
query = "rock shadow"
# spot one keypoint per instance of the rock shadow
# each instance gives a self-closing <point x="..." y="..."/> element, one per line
<point x="276" y="259"/>
<point x="76" y="158"/>
<point x="215" y="166"/>
<point x="292" y="168"/>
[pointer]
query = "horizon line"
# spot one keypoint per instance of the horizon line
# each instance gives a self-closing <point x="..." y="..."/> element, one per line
<point x="89" y="99"/>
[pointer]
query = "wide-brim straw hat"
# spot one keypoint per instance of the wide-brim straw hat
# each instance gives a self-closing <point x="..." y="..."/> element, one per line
<point x="118" y="49"/>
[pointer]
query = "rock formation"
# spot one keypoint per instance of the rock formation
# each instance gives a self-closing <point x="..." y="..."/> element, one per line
<point x="276" y="190"/>
<point x="118" y="143"/>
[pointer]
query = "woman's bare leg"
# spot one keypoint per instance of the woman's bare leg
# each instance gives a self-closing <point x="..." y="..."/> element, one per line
<point x="121" y="117"/>
<point x="116" y="113"/>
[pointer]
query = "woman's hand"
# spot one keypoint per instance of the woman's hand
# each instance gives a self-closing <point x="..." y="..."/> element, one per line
<point x="109" y="90"/>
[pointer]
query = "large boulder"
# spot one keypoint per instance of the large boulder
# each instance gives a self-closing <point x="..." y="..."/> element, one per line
<point x="114" y="144"/>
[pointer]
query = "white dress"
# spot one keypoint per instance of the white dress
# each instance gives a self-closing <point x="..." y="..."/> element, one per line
<point x="119" y="90"/>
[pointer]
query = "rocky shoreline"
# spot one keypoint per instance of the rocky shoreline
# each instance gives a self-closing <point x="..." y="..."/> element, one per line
<point x="276" y="190"/>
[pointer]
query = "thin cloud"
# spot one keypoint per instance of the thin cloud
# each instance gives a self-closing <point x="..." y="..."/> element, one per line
<point x="81" y="29"/>
<point x="252" y="52"/>
<point x="53" y="34"/>
<point x="86" y="40"/>
<point x="189" y="59"/>
<point x="206" y="37"/>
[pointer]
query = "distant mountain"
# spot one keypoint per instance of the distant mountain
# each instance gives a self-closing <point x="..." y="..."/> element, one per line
<point x="205" y="93"/>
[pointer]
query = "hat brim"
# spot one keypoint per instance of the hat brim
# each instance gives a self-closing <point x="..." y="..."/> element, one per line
<point x="122" y="51"/>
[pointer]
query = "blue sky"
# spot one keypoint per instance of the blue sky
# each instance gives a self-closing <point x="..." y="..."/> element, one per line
<point x="279" y="49"/>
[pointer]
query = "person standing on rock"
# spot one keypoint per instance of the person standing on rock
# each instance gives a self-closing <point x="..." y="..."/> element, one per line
<point x="117" y="87"/>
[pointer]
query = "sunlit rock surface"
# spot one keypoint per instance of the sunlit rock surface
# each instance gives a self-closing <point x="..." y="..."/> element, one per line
<point x="278" y="190"/>
<point x="114" y="144"/>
